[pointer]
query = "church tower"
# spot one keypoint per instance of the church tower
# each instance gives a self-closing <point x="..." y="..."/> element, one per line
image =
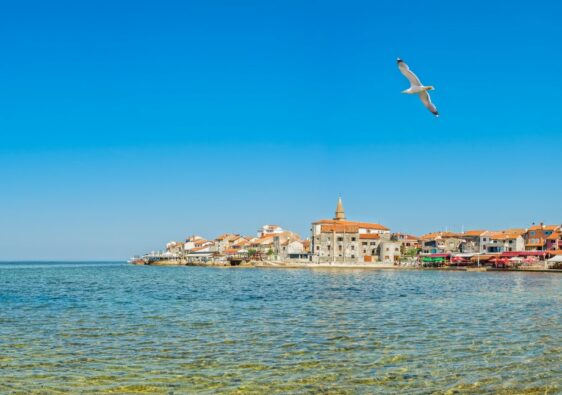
<point x="340" y="214"/>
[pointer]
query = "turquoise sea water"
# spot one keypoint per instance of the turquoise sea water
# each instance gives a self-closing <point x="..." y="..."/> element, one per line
<point x="101" y="328"/>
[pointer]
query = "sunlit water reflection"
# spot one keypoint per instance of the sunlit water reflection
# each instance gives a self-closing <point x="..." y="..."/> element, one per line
<point x="115" y="328"/>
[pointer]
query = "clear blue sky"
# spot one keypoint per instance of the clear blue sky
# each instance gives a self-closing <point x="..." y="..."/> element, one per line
<point x="126" y="124"/>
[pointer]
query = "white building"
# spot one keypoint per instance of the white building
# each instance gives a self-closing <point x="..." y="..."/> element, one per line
<point x="267" y="230"/>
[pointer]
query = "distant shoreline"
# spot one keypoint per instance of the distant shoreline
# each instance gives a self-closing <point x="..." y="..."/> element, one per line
<point x="312" y="266"/>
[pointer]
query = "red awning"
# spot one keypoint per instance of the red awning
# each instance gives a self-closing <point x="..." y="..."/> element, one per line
<point x="522" y="253"/>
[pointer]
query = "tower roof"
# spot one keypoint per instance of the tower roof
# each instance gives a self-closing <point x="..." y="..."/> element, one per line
<point x="340" y="213"/>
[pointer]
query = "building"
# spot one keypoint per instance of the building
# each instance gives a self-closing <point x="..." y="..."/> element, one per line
<point x="441" y="243"/>
<point x="409" y="244"/>
<point x="475" y="241"/>
<point x="174" y="247"/>
<point x="195" y="242"/>
<point x="505" y="242"/>
<point x="267" y="230"/>
<point x="338" y="240"/>
<point x="271" y="245"/>
<point x="227" y="241"/>
<point x="292" y="250"/>
<point x="536" y="236"/>
<point x="554" y="241"/>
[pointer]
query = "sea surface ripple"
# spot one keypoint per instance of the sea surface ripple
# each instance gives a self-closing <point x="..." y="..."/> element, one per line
<point x="113" y="328"/>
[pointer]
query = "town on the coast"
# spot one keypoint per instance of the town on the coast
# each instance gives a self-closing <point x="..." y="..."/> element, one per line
<point x="342" y="242"/>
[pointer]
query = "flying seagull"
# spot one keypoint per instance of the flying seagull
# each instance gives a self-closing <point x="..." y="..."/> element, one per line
<point x="416" y="87"/>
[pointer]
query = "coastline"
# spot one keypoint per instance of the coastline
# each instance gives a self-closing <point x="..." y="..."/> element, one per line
<point x="336" y="266"/>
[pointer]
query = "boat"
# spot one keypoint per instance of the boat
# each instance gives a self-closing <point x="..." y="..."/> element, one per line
<point x="137" y="260"/>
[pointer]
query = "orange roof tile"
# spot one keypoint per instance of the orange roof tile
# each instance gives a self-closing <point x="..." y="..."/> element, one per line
<point x="364" y="225"/>
<point x="473" y="233"/>
<point x="198" y="248"/>
<point x="369" y="236"/>
<point x="443" y="235"/>
<point x="544" y="227"/>
<point x="505" y="236"/>
<point x="340" y="228"/>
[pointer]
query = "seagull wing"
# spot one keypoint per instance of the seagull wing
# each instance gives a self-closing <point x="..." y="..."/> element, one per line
<point x="426" y="100"/>
<point x="404" y="69"/>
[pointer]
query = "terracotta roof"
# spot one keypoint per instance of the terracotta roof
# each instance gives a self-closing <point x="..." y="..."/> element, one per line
<point x="474" y="233"/>
<point x="555" y="236"/>
<point x="199" y="248"/>
<point x="518" y="231"/>
<point x="369" y="236"/>
<point x="364" y="225"/>
<point x="403" y="236"/>
<point x="227" y="236"/>
<point x="505" y="236"/>
<point x="544" y="227"/>
<point x="340" y="228"/>
<point x="442" y="235"/>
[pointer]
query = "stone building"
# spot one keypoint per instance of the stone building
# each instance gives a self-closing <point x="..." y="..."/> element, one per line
<point x="227" y="241"/>
<point x="441" y="243"/>
<point x="338" y="240"/>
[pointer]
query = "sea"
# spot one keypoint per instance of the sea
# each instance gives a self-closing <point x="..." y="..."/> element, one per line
<point x="115" y="328"/>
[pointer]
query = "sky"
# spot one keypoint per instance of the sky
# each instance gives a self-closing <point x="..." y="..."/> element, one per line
<point x="127" y="124"/>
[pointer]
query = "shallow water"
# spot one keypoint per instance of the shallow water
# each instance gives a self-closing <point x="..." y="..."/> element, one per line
<point x="115" y="328"/>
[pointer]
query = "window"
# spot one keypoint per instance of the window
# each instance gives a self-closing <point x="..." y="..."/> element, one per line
<point x="364" y="251"/>
<point x="340" y="248"/>
<point x="353" y="239"/>
<point x="328" y="248"/>
<point x="364" y="243"/>
<point x="352" y="256"/>
<point x="340" y="238"/>
<point x="352" y="247"/>
<point x="318" y="248"/>
<point x="373" y="243"/>
<point x="532" y="233"/>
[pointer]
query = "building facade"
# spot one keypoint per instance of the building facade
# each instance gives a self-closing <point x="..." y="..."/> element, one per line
<point x="338" y="240"/>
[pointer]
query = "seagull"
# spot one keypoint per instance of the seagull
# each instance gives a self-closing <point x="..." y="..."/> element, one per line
<point x="416" y="87"/>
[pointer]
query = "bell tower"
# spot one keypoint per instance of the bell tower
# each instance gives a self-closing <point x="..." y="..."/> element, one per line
<point x="340" y="213"/>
